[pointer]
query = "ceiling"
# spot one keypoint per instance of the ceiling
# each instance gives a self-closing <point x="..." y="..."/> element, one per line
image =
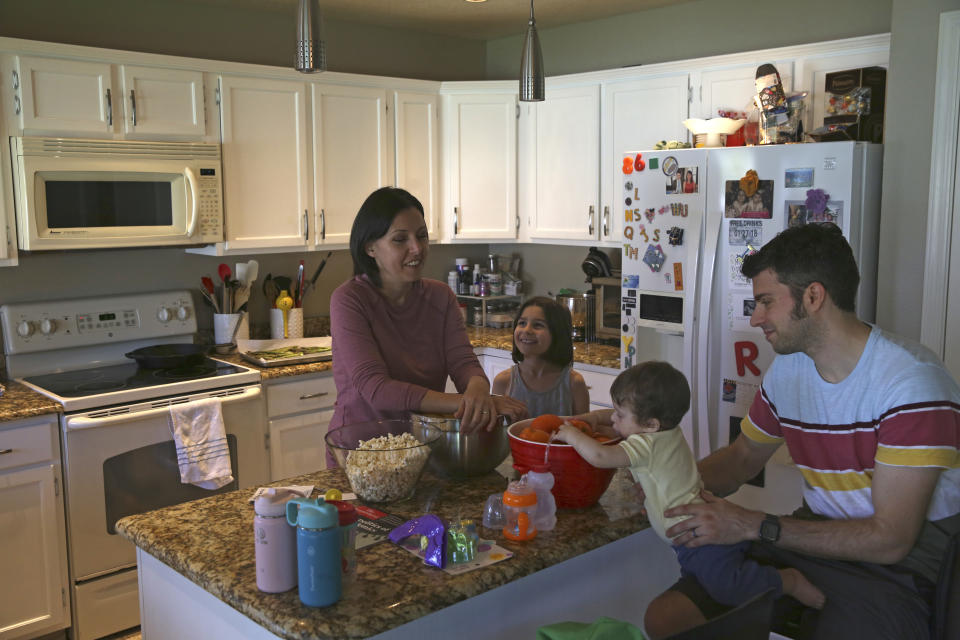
<point x="475" y="20"/>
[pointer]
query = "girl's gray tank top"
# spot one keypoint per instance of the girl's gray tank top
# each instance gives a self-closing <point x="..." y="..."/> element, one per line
<point x="557" y="400"/>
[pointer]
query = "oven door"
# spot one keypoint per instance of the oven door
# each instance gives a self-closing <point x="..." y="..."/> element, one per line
<point x="119" y="461"/>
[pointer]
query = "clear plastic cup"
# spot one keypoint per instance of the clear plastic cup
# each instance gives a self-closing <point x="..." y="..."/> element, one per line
<point x="493" y="517"/>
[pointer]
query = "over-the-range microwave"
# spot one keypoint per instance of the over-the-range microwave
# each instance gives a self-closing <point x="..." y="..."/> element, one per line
<point x="71" y="193"/>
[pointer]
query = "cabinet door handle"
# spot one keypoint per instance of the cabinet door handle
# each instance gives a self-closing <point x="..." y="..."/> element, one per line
<point x="306" y="226"/>
<point x="5" y="451"/>
<point x="590" y="219"/>
<point x="606" y="220"/>
<point x="323" y="224"/>
<point x="456" y="219"/>
<point x="311" y="396"/>
<point x="109" y="109"/>
<point x="133" y="107"/>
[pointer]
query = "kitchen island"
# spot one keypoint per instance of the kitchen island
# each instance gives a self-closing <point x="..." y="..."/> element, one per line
<point x="197" y="560"/>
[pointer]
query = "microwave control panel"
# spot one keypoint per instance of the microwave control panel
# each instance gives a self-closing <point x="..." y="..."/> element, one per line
<point x="209" y="206"/>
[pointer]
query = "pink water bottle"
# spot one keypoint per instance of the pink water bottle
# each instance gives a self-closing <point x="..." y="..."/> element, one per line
<point x="275" y="546"/>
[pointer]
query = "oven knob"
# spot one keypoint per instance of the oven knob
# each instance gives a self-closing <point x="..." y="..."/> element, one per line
<point x="25" y="329"/>
<point x="183" y="313"/>
<point x="163" y="314"/>
<point x="48" y="326"/>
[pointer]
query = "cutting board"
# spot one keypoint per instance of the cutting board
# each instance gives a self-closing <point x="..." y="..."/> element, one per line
<point x="244" y="347"/>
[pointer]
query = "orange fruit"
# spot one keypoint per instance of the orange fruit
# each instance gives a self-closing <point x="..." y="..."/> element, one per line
<point x="535" y="435"/>
<point x="583" y="426"/>
<point x="547" y="422"/>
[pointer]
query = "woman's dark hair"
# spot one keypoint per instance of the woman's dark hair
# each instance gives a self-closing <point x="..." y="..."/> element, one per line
<point x="372" y="223"/>
<point x="815" y="252"/>
<point x="560" y="326"/>
<point x="653" y="389"/>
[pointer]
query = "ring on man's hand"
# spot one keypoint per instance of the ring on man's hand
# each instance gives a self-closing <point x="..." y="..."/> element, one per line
<point x="484" y="411"/>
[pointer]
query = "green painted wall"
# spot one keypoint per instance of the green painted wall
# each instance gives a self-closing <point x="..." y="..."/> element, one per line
<point x="690" y="30"/>
<point x="238" y="34"/>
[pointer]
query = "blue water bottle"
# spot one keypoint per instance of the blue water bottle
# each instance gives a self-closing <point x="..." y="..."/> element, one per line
<point x="318" y="550"/>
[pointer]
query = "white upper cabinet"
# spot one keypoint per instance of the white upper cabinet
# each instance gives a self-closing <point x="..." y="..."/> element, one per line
<point x="416" y="123"/>
<point x="636" y="115"/>
<point x="480" y="161"/>
<point x="63" y="97"/>
<point x="352" y="155"/>
<point x="266" y="175"/>
<point x="162" y="102"/>
<point x="733" y="87"/>
<point x="53" y="96"/>
<point x="567" y="165"/>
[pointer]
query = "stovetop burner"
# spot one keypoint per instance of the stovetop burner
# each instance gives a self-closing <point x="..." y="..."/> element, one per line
<point x="126" y="377"/>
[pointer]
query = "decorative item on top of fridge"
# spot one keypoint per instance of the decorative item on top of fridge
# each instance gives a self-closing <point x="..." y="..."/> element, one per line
<point x="781" y="115"/>
<point x="853" y="105"/>
<point x="712" y="132"/>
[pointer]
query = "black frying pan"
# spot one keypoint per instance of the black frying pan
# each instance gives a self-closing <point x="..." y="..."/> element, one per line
<point x="169" y="356"/>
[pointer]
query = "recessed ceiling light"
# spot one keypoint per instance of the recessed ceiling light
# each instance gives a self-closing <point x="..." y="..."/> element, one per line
<point x="476" y="0"/>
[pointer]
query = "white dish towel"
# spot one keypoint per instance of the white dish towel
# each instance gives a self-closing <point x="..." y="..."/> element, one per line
<point x="201" y="439"/>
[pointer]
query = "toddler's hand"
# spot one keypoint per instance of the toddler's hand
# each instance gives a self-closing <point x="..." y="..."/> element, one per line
<point x="564" y="432"/>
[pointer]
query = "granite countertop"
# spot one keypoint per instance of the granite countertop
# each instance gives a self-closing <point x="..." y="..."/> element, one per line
<point x="19" y="401"/>
<point x="209" y="541"/>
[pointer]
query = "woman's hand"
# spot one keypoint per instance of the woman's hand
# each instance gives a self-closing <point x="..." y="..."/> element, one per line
<point x="477" y="408"/>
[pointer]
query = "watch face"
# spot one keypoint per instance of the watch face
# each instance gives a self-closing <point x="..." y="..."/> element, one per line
<point x="769" y="530"/>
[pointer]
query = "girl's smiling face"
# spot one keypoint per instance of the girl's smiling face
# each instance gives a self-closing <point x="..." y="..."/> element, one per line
<point x="532" y="335"/>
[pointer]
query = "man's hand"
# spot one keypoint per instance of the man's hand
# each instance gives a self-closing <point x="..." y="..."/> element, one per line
<point x="716" y="521"/>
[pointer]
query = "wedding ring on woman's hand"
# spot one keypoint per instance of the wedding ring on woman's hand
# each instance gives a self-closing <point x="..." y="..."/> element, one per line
<point x="483" y="412"/>
<point x="694" y="532"/>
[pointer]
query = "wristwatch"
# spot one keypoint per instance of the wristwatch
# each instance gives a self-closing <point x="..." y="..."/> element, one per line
<point x="770" y="528"/>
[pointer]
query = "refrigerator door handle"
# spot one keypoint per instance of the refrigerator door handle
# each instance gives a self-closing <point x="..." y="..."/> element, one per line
<point x="711" y="238"/>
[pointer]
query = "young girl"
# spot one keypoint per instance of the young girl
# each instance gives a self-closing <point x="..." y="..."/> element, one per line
<point x="543" y="377"/>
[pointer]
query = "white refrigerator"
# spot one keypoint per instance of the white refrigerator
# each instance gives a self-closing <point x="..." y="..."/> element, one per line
<point x="689" y="218"/>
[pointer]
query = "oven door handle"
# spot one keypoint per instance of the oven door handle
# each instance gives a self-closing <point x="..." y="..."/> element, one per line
<point x="84" y="422"/>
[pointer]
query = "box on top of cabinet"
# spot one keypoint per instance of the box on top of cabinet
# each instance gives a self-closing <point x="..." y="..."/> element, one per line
<point x="856" y="97"/>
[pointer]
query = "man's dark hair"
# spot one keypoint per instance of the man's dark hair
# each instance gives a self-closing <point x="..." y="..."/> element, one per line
<point x="372" y="223"/>
<point x="560" y="325"/>
<point x="653" y="389"/>
<point x="816" y="252"/>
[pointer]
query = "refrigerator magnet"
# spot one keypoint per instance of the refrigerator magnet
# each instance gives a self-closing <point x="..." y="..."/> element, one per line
<point x="677" y="276"/>
<point x="654" y="163"/>
<point x="798" y="213"/>
<point x="654" y="257"/>
<point x="627" y="165"/>
<point x="797" y="178"/>
<point x="675" y="236"/>
<point x="729" y="390"/>
<point x="650" y="213"/>
<point x="670" y="166"/>
<point x="638" y="163"/>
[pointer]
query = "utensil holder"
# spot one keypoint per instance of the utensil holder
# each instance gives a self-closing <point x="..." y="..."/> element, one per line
<point x="223" y="325"/>
<point x="294" y="323"/>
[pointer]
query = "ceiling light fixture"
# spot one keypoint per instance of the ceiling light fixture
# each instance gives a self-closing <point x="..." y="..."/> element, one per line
<point x="311" y="52"/>
<point x="531" y="64"/>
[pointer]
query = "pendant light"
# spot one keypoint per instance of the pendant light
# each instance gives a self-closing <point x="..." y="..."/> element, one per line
<point x="531" y="64"/>
<point x="311" y="54"/>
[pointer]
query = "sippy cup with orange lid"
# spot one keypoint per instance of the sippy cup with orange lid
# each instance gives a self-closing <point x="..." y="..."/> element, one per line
<point x="519" y="509"/>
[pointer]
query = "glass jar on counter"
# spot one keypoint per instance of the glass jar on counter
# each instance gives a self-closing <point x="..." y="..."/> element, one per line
<point x="476" y="315"/>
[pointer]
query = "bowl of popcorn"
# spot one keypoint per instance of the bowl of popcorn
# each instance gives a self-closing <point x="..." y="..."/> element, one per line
<point x="383" y="459"/>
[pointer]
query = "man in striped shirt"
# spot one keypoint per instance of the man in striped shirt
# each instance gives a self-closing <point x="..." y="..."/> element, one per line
<point x="872" y="421"/>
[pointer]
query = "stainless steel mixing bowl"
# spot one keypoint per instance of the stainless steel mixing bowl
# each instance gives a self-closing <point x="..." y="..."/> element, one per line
<point x="461" y="455"/>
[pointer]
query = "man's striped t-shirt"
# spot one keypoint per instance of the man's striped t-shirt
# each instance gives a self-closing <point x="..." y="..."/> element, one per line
<point x="898" y="407"/>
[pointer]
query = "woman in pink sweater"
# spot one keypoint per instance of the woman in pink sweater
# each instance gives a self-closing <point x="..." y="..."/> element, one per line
<point x="396" y="335"/>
